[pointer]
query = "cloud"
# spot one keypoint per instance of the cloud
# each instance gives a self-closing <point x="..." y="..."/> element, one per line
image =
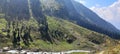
<point x="110" y="13"/>
<point x="81" y="1"/>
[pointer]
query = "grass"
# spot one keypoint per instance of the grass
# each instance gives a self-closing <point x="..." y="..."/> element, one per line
<point x="79" y="53"/>
<point x="112" y="50"/>
<point x="3" y="23"/>
<point x="46" y="46"/>
<point x="83" y="35"/>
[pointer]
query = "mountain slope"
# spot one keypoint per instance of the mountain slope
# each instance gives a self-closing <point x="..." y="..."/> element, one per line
<point x="86" y="18"/>
<point x="64" y="35"/>
<point x="76" y="12"/>
<point x="42" y="24"/>
<point x="94" y="19"/>
<point x="68" y="10"/>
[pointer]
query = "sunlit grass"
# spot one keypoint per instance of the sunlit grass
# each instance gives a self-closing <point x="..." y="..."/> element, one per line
<point x="79" y="53"/>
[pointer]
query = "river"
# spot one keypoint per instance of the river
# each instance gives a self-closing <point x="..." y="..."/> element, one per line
<point x="62" y="52"/>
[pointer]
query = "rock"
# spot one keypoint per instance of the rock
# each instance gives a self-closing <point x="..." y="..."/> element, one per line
<point x="6" y="48"/>
<point x="1" y="50"/>
<point x="13" y="51"/>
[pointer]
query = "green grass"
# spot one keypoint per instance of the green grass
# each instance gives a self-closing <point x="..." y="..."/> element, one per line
<point x="46" y="46"/>
<point x="3" y="23"/>
<point x="79" y="53"/>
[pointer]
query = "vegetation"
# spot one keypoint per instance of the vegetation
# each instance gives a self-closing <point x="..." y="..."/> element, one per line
<point x="64" y="35"/>
<point x="47" y="27"/>
<point x="112" y="50"/>
<point x="3" y="23"/>
<point x="79" y="53"/>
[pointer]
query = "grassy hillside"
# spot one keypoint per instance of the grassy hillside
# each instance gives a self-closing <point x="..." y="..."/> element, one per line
<point x="111" y="50"/>
<point x="64" y="35"/>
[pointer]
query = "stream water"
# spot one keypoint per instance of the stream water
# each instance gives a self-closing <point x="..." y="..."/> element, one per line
<point x="27" y="52"/>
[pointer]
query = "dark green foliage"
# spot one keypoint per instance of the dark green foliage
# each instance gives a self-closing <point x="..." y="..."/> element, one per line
<point x="14" y="39"/>
<point x="44" y="33"/>
<point x="19" y="33"/>
<point x="95" y="39"/>
<point x="8" y="33"/>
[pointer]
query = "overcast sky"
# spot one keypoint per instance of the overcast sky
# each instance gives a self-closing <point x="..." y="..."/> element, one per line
<point x="109" y="10"/>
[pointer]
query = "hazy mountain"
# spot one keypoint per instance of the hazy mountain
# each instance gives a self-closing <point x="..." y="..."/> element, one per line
<point x="93" y="18"/>
<point x="76" y="12"/>
<point x="87" y="18"/>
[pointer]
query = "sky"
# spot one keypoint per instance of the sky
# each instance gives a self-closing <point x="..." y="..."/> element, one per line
<point x="109" y="10"/>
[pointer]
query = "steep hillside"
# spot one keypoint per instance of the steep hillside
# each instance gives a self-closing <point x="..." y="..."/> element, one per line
<point x="98" y="22"/>
<point x="68" y="10"/>
<point x="63" y="35"/>
<point x="83" y="16"/>
<point x="79" y="14"/>
<point x="52" y="25"/>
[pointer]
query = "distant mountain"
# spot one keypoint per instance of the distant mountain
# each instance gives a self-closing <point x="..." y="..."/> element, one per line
<point x="79" y="14"/>
<point x="88" y="19"/>
<point x="93" y="18"/>
<point x="40" y="24"/>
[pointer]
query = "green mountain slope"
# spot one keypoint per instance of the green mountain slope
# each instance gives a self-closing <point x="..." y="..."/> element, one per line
<point x="56" y="35"/>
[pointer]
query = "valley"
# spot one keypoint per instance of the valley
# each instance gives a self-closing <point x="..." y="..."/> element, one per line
<point x="53" y="26"/>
